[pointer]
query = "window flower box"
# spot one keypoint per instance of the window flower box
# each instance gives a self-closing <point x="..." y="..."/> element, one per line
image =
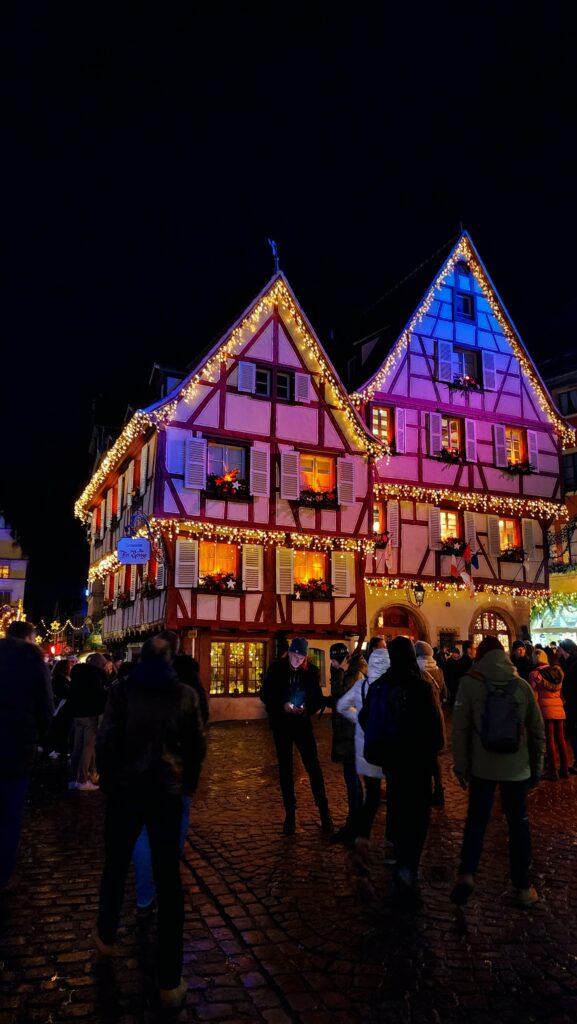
<point x="318" y="499"/>
<point x="124" y="599"/>
<point x="524" y="468"/>
<point x="108" y="607"/>
<point x="149" y="588"/>
<point x="226" y="486"/>
<point x="382" y="539"/>
<point x="452" y="456"/>
<point x="453" y="546"/>
<point x="313" y="590"/>
<point x="464" y="383"/>
<point x="219" y="583"/>
<point x="512" y="555"/>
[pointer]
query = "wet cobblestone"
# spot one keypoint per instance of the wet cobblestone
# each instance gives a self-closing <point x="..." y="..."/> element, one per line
<point x="277" y="929"/>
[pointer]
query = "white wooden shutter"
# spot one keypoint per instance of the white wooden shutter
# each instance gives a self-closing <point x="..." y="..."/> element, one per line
<point x="493" y="532"/>
<point x="341" y="572"/>
<point x="533" y="449"/>
<point x="108" y="509"/>
<point x="489" y="381"/>
<point x="247" y="377"/>
<point x="252" y="567"/>
<point x="435" y="433"/>
<point x="129" y="483"/>
<point x="470" y="440"/>
<point x="102" y="507"/>
<point x="290" y="484"/>
<point x="434" y="528"/>
<point x="143" y="468"/>
<point x="259" y="472"/>
<point x="470" y="530"/>
<point x="302" y="387"/>
<point x="175" y="449"/>
<point x="186" y="566"/>
<point x="285" y="571"/>
<point x="93" y="521"/>
<point x="132" y="587"/>
<point x="195" y="463"/>
<point x="500" y="443"/>
<point x="119" y="494"/>
<point x="400" y="443"/>
<point x="445" y="360"/>
<point x="160" y="580"/>
<point x="346" y="481"/>
<point x="116" y="588"/>
<point x="393" y="523"/>
<point x="528" y="537"/>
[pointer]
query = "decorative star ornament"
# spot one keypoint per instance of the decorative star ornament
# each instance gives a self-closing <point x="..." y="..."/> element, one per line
<point x="230" y="584"/>
<point x="298" y="595"/>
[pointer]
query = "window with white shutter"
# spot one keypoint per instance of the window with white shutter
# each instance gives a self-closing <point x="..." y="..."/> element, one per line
<point x="120" y="494"/>
<point x="175" y="449"/>
<point x="132" y="581"/>
<point x="445" y="360"/>
<point x="500" y="442"/>
<point x="116" y="588"/>
<point x="108" y="509"/>
<point x="470" y="530"/>
<point x="489" y="371"/>
<point x="533" y="449"/>
<point x="302" y="387"/>
<point x="393" y="523"/>
<point x="252" y="567"/>
<point x="434" y="528"/>
<point x="129" y="483"/>
<point x="346" y="481"/>
<point x="289" y="475"/>
<point x="195" y="463"/>
<point x="259" y="472"/>
<point x="470" y="440"/>
<point x="435" y="433"/>
<point x="160" y="577"/>
<point x="528" y="528"/>
<point x="399" y="438"/>
<point x="494" y="535"/>
<point x="247" y="377"/>
<point x="285" y="571"/>
<point x="143" y="468"/>
<point x="186" y="564"/>
<point x="342" y="573"/>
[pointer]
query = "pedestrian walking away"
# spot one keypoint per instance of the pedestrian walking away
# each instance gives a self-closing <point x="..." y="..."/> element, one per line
<point x="291" y="693"/>
<point x="344" y="674"/>
<point x="431" y="672"/>
<point x="87" y="701"/>
<point x="547" y="681"/>
<point x="493" y="697"/>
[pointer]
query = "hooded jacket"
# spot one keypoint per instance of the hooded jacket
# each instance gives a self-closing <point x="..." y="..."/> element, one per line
<point x="351" y="703"/>
<point x="151" y="740"/>
<point x="469" y="755"/>
<point x="343" y="745"/>
<point x="547" y="689"/>
<point x="26" y="706"/>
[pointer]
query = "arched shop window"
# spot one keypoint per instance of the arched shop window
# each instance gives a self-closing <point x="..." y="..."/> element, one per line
<point x="398" y="621"/>
<point x="490" y="623"/>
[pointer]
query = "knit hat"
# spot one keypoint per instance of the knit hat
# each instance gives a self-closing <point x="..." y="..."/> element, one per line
<point x="569" y="646"/>
<point x="541" y="658"/>
<point x="423" y="649"/>
<point x="379" y="662"/>
<point x="299" y="646"/>
<point x="339" y="652"/>
<point x="518" y="644"/>
<point x="490" y="643"/>
<point x="553" y="674"/>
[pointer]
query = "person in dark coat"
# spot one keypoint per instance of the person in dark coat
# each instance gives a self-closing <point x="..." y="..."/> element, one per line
<point x="568" y="662"/>
<point x="451" y="671"/>
<point x="58" y="740"/>
<point x="343" y="744"/>
<point x="149" y="752"/>
<point x="88" y="684"/>
<point x="187" y="670"/>
<point x="26" y="710"/>
<point x="291" y="693"/>
<point x="522" y="663"/>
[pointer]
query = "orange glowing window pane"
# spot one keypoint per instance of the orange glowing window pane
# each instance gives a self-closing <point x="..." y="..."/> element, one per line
<point x="449" y="524"/>
<point x="215" y="558"/>
<point x="317" y="473"/>
<point x="515" y="447"/>
<point x="451" y="433"/>
<point x="381" y="423"/>
<point x="508" y="533"/>
<point x="310" y="565"/>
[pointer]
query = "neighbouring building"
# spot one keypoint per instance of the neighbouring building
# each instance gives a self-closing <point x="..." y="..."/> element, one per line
<point x="13" y="566"/>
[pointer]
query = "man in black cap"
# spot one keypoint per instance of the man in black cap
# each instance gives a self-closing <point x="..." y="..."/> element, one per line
<point x="291" y="693"/>
<point x="343" y="745"/>
<point x="520" y="660"/>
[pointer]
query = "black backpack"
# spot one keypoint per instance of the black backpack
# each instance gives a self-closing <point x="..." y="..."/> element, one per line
<point x="383" y="719"/>
<point x="501" y="725"/>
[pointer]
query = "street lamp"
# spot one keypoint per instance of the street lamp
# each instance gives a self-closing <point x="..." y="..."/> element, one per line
<point x="416" y="594"/>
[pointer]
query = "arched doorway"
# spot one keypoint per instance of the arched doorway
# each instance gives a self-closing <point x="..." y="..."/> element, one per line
<point x="491" y="622"/>
<point x="398" y="620"/>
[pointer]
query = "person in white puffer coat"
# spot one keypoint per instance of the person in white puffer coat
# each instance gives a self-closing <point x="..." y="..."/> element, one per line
<point x="349" y="706"/>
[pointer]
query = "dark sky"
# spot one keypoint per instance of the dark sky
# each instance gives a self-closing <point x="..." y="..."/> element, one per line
<point x="145" y="163"/>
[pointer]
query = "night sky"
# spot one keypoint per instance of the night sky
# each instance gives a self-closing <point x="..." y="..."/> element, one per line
<point x="145" y="163"/>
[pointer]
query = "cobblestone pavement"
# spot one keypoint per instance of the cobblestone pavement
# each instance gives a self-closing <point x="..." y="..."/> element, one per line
<point x="278" y="929"/>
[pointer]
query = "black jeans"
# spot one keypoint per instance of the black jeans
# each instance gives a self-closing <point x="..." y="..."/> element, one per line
<point x="367" y="813"/>
<point x="354" y="792"/>
<point x="408" y="813"/>
<point x="514" y="801"/>
<point x="125" y="817"/>
<point x="301" y="734"/>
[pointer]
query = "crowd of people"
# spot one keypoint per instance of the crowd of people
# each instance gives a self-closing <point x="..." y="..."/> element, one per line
<point x="136" y="731"/>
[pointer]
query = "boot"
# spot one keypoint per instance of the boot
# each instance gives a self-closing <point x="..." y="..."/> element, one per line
<point x="290" y="825"/>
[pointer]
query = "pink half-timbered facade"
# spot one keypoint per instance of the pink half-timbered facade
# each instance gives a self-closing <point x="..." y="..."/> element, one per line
<point x="256" y="485"/>
<point x="463" y="505"/>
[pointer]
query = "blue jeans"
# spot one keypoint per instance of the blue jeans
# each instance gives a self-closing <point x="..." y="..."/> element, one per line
<point x="12" y="798"/>
<point x="514" y="802"/>
<point x="142" y="860"/>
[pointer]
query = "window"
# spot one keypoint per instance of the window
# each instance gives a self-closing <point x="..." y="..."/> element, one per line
<point x="450" y="525"/>
<point x="509" y="534"/>
<point x="381" y="422"/>
<point x="262" y="382"/>
<point x="216" y="558"/>
<point x="317" y="473"/>
<point x="489" y="623"/>
<point x="570" y="471"/>
<point x="4" y="572"/>
<point x="283" y="386"/>
<point x="515" y="443"/>
<point x="5" y="597"/>
<point x="464" y="306"/>
<point x="270" y="381"/>
<point x="567" y="402"/>
<point x="378" y="526"/>
<point x="465" y="363"/>
<point x="310" y="565"/>
<point x="451" y="434"/>
<point x="226" y="459"/>
<point x="236" y="668"/>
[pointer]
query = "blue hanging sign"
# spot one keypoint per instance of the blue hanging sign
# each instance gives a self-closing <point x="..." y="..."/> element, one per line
<point x="133" y="550"/>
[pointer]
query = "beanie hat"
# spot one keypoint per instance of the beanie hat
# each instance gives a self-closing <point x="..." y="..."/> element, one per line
<point x="299" y="646"/>
<point x="379" y="662"/>
<point x="490" y="643"/>
<point x="569" y="646"/>
<point x="339" y="652"/>
<point x="541" y="658"/>
<point x="553" y="674"/>
<point x="423" y="649"/>
<point x="518" y="644"/>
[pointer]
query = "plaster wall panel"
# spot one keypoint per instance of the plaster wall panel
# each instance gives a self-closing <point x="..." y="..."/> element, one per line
<point x="297" y="423"/>
<point x="444" y="329"/>
<point x="262" y="348"/>
<point x="186" y="598"/>
<point x="332" y="437"/>
<point x="237" y="512"/>
<point x="190" y="499"/>
<point x="169" y="504"/>
<point x="251" y="603"/>
<point x="486" y="340"/>
<point x="321" y="612"/>
<point x="208" y="417"/>
<point x="465" y="334"/>
<point x="260" y="510"/>
<point x="401" y="467"/>
<point x="284" y="516"/>
<point x="206" y="607"/>
<point x="307" y="517"/>
<point x="301" y="612"/>
<point x="230" y="609"/>
<point x="215" y="509"/>
<point x="440" y="474"/>
<point x="286" y="352"/>
<point x="247" y="415"/>
<point x="328" y="521"/>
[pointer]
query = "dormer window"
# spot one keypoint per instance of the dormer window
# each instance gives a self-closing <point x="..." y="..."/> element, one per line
<point x="464" y="306"/>
<point x="270" y="382"/>
<point x="465" y="364"/>
<point x="381" y="422"/>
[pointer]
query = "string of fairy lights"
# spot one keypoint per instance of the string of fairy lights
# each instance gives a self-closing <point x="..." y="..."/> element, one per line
<point x="380" y="585"/>
<point x="473" y="501"/>
<point x="463" y="251"/>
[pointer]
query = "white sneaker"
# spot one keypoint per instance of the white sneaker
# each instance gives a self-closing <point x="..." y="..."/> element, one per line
<point x="87" y="787"/>
<point x="72" y="785"/>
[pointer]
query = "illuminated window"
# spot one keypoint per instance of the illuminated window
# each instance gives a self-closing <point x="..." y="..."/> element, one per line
<point x="465" y="363"/>
<point x="381" y="422"/>
<point x="310" y="565"/>
<point x="5" y="597"/>
<point x="488" y="623"/>
<point x="317" y="473"/>
<point x="4" y="572"/>
<point x="236" y="667"/>
<point x="464" y="306"/>
<point x="508" y="534"/>
<point x="215" y="557"/>
<point x="223" y="459"/>
<point x="451" y="433"/>
<point x="378" y="526"/>
<point x="515" y="444"/>
<point x="450" y="525"/>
